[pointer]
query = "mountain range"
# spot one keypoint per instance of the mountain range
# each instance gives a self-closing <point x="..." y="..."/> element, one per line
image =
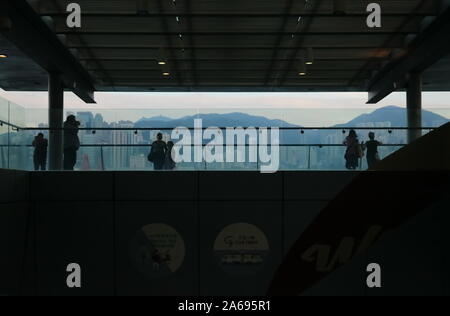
<point x="209" y="120"/>
<point x="393" y="115"/>
<point x="390" y="116"/>
<point x="396" y="116"/>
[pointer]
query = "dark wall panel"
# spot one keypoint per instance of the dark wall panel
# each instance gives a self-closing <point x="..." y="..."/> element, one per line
<point x="72" y="186"/>
<point x="171" y="228"/>
<point x="412" y="258"/>
<point x="233" y="186"/>
<point x="14" y="186"/>
<point x="13" y="224"/>
<point x="237" y="259"/>
<point x="444" y="219"/>
<point x="150" y="186"/>
<point x="348" y="280"/>
<point x="297" y="217"/>
<point x="7" y="185"/>
<point x="318" y="185"/>
<point x="75" y="232"/>
<point x="447" y="273"/>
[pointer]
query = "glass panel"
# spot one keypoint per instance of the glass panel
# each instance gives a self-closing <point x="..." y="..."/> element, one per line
<point x="307" y="149"/>
<point x="4" y="146"/>
<point x="4" y="110"/>
<point x="21" y="152"/>
<point x="16" y="115"/>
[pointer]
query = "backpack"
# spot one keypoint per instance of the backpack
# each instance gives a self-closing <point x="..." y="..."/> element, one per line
<point x="150" y="156"/>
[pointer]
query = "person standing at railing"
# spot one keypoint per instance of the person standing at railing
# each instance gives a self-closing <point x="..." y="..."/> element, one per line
<point x="373" y="156"/>
<point x="40" y="145"/>
<point x="354" y="151"/>
<point x="158" y="152"/>
<point x="169" y="163"/>
<point x="71" y="142"/>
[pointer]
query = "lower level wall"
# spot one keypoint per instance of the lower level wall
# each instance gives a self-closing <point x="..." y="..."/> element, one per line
<point x="14" y="220"/>
<point x="218" y="234"/>
<point x="414" y="261"/>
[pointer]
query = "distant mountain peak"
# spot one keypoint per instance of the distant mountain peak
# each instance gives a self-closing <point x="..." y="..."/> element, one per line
<point x="234" y="119"/>
<point x="396" y="116"/>
<point x="160" y="118"/>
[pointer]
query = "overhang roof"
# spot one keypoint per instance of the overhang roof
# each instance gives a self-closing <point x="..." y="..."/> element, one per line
<point x="232" y="45"/>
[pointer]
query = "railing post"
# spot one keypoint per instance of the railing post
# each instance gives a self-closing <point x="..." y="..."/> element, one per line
<point x="102" y="158"/>
<point x="55" y="121"/>
<point x="309" y="157"/>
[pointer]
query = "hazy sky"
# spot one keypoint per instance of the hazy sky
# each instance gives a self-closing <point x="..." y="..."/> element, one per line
<point x="308" y="109"/>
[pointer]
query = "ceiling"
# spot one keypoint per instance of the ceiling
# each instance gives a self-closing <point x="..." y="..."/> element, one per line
<point x="232" y="45"/>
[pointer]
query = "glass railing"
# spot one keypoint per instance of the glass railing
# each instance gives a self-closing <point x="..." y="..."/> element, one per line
<point x="12" y="116"/>
<point x="124" y="146"/>
<point x="122" y="149"/>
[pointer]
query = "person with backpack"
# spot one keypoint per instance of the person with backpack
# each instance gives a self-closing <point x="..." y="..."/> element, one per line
<point x="354" y="151"/>
<point x="169" y="163"/>
<point x="71" y="142"/>
<point x="158" y="152"/>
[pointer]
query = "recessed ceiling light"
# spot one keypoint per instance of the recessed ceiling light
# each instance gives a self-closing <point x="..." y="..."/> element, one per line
<point x="302" y="67"/>
<point x="309" y="56"/>
<point x="166" y="73"/>
<point x="3" y="56"/>
<point x="162" y="63"/>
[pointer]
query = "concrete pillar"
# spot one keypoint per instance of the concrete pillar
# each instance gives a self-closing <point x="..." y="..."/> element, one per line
<point x="414" y="106"/>
<point x="55" y="120"/>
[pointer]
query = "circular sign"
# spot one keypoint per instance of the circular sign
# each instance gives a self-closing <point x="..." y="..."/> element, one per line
<point x="241" y="249"/>
<point x="157" y="250"/>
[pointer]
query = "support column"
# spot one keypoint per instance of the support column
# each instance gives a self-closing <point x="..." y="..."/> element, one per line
<point x="414" y="106"/>
<point x="55" y="120"/>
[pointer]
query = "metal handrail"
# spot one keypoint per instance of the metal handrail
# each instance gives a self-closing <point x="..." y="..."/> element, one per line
<point x="224" y="128"/>
<point x="15" y="127"/>
<point x="300" y="128"/>
<point x="204" y="145"/>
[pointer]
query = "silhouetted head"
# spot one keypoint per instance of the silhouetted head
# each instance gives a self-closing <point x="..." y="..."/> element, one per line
<point x="372" y="135"/>
<point x="40" y="135"/>
<point x="71" y="118"/>
<point x="353" y="134"/>
<point x="159" y="136"/>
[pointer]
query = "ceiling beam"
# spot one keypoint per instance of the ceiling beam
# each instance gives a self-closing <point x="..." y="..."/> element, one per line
<point x="191" y="42"/>
<point x="60" y="8"/>
<point x="390" y="39"/>
<point x="150" y="41"/>
<point x="32" y="36"/>
<point x="169" y="42"/>
<point x="299" y="43"/>
<point x="428" y="48"/>
<point x="278" y="42"/>
<point x="237" y="15"/>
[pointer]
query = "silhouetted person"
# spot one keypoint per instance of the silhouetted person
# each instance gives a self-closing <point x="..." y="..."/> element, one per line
<point x="158" y="153"/>
<point x="372" y="150"/>
<point x="40" y="145"/>
<point x="71" y="142"/>
<point x="353" y="152"/>
<point x="169" y="163"/>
